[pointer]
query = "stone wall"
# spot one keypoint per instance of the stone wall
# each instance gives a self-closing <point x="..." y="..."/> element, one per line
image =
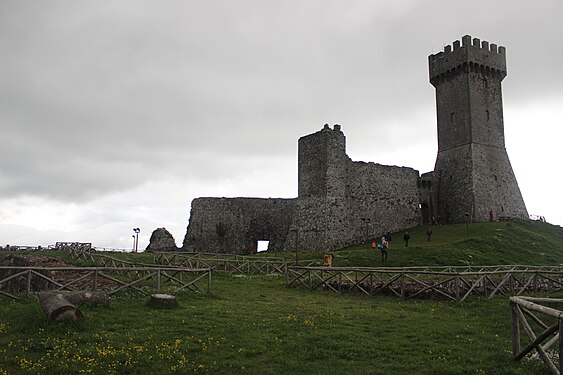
<point x="495" y="185"/>
<point x="340" y="203"/>
<point x="388" y="196"/>
<point x="234" y="225"/>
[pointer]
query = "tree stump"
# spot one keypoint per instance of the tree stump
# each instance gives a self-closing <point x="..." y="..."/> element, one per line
<point x="163" y="300"/>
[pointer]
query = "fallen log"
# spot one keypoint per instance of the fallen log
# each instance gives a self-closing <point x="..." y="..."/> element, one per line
<point x="57" y="308"/>
<point x="80" y="297"/>
<point x="61" y="305"/>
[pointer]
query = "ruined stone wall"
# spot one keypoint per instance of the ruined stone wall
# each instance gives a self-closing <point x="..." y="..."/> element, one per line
<point x="427" y="205"/>
<point x="321" y="205"/>
<point x="234" y="225"/>
<point x="387" y="196"/>
<point x="453" y="189"/>
<point x="359" y="200"/>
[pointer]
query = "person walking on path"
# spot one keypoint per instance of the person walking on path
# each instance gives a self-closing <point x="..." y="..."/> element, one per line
<point x="383" y="249"/>
<point x="328" y="259"/>
<point x="491" y="215"/>
<point x="429" y="234"/>
<point x="406" y="238"/>
<point x="384" y="243"/>
<point x="388" y="239"/>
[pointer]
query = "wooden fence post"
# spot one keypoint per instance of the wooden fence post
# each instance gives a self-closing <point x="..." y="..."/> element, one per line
<point x="515" y="329"/>
<point x="158" y="281"/>
<point x="209" y="281"/>
<point x="95" y="280"/>
<point x="402" y="285"/>
<point x="485" y="286"/>
<point x="28" y="286"/>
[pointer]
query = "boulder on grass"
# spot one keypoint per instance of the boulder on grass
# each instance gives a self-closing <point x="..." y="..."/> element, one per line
<point x="161" y="240"/>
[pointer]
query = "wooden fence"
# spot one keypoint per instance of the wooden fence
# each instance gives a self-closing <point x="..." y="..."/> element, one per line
<point x="453" y="283"/>
<point x="104" y="260"/>
<point x="144" y="280"/>
<point x="73" y="246"/>
<point x="231" y="263"/>
<point x="531" y="313"/>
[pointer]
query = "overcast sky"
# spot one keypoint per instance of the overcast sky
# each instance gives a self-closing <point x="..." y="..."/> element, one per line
<point x="116" y="114"/>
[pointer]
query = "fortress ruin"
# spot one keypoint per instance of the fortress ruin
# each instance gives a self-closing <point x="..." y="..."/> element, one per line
<point x="343" y="202"/>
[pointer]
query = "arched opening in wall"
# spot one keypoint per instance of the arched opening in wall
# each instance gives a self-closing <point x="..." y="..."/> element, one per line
<point x="262" y="245"/>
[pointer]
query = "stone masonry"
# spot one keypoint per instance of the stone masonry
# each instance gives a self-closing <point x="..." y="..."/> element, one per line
<point x="235" y="225"/>
<point x="343" y="202"/>
<point x="472" y="173"/>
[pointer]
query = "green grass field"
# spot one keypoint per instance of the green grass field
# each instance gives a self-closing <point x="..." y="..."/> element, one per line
<point x="255" y="325"/>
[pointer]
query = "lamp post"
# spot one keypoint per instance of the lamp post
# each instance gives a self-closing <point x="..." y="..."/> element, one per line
<point x="137" y="231"/>
<point x="133" y="248"/>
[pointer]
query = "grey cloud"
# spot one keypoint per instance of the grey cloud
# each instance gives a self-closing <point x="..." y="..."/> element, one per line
<point x="100" y="96"/>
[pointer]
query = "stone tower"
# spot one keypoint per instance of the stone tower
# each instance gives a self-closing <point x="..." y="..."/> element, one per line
<point x="322" y="190"/>
<point x="472" y="174"/>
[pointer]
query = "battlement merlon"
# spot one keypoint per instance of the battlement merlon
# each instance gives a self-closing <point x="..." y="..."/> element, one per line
<point x="325" y="131"/>
<point x="475" y="52"/>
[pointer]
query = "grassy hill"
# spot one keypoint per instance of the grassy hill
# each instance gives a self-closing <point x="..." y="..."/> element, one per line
<point x="517" y="242"/>
<point x="254" y="325"/>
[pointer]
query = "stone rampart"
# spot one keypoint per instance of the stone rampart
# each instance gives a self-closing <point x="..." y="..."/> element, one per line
<point x="234" y="225"/>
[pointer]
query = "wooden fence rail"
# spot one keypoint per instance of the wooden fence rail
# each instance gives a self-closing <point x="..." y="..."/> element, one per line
<point x="452" y="283"/>
<point x="533" y="316"/>
<point x="145" y="280"/>
<point x="230" y="263"/>
<point x="104" y="260"/>
<point x="213" y="255"/>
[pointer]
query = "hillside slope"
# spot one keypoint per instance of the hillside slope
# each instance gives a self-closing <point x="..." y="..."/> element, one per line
<point x="516" y="242"/>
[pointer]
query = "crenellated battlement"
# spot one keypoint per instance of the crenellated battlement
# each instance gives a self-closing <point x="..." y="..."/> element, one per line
<point x="337" y="128"/>
<point x="467" y="41"/>
<point x="467" y="55"/>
